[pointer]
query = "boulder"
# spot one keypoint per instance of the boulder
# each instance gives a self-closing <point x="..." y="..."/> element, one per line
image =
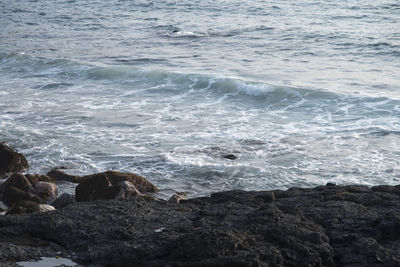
<point x="19" y="181"/>
<point x="11" y="161"/>
<point x="109" y="185"/>
<point x="14" y="194"/>
<point x="46" y="191"/>
<point x="25" y="206"/>
<point x="63" y="201"/>
<point x="141" y="183"/>
<point x="92" y="188"/>
<point x="58" y="175"/>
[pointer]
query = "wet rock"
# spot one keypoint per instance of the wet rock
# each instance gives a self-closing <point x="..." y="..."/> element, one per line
<point x="141" y="183"/>
<point x="46" y="191"/>
<point x="63" y="201"/>
<point x="14" y="194"/>
<point x="123" y="190"/>
<point x="58" y="175"/>
<point x="107" y="185"/>
<point x="11" y="161"/>
<point x="19" y="181"/>
<point x="93" y="188"/>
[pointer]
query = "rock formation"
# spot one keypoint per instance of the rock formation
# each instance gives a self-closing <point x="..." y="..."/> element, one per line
<point x="323" y="226"/>
<point x="11" y="161"/>
<point x="114" y="223"/>
<point x="108" y="185"/>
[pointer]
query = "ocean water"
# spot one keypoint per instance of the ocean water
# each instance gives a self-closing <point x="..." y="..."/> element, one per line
<point x="302" y="92"/>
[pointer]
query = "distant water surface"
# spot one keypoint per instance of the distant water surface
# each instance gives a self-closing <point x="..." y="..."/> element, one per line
<point x="302" y="92"/>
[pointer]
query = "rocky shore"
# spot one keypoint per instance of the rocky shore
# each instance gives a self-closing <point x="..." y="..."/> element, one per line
<point x="114" y="220"/>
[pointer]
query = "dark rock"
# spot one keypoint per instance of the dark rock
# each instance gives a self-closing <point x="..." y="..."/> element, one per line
<point x="63" y="201"/>
<point x="230" y="156"/>
<point x="141" y="183"/>
<point x="322" y="226"/>
<point x="107" y="185"/>
<point x="11" y="161"/>
<point x="22" y="246"/>
<point x="19" y="181"/>
<point x="29" y="187"/>
<point x="95" y="187"/>
<point x="58" y="175"/>
<point x="13" y="194"/>
<point x="387" y="189"/>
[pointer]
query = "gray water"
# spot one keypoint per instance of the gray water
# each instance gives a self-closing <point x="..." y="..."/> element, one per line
<point x="302" y="92"/>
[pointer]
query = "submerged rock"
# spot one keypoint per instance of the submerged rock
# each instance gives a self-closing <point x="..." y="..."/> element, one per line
<point x="11" y="161"/>
<point x="230" y="156"/>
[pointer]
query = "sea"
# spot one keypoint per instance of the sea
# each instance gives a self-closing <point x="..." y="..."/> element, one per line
<point x="203" y="96"/>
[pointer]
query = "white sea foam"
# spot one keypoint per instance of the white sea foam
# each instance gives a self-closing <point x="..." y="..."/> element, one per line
<point x="254" y="89"/>
<point x="175" y="127"/>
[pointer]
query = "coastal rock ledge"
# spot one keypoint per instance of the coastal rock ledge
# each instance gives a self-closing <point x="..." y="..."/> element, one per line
<point x="323" y="226"/>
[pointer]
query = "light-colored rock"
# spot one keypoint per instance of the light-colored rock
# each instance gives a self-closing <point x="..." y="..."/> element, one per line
<point x="127" y="190"/>
<point x="46" y="191"/>
<point x="45" y="207"/>
<point x="177" y="197"/>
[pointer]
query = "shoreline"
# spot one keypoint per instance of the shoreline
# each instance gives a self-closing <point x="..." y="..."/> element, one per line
<point x="114" y="220"/>
<point x="323" y="226"/>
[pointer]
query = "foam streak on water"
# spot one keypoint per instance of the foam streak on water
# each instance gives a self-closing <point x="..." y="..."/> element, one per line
<point x="303" y="93"/>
